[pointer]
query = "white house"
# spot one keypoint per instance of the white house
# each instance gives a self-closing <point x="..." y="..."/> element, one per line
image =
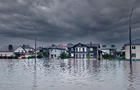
<point x="29" y="51"/>
<point x="55" y="51"/>
<point x="10" y="50"/>
<point x="19" y="49"/>
<point x="105" y="51"/>
<point x="135" y="50"/>
<point x="109" y="51"/>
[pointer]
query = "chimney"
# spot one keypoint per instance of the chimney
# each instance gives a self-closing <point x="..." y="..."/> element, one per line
<point x="90" y="43"/>
<point x="10" y="47"/>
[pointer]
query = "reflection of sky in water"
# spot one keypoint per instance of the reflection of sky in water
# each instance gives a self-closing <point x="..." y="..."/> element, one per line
<point x="69" y="75"/>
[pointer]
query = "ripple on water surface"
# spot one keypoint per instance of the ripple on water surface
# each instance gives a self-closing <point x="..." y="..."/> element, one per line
<point x="69" y="75"/>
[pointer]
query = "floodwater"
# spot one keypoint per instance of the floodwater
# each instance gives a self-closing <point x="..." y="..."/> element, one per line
<point x="69" y="75"/>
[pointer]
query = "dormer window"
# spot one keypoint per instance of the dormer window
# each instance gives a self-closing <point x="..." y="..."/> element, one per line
<point x="72" y="49"/>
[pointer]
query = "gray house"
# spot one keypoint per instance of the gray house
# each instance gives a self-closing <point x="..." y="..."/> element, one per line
<point x="55" y="51"/>
<point x="80" y="51"/>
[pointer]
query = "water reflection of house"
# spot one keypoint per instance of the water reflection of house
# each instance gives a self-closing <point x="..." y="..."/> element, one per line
<point x="80" y="51"/>
<point x="55" y="51"/>
<point x="11" y="51"/>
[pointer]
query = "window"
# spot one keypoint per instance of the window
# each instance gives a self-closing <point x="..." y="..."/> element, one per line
<point x="79" y="55"/>
<point x="78" y="49"/>
<point x="133" y="47"/>
<point x="72" y="55"/>
<point x="91" y="49"/>
<point x="85" y="49"/>
<point x="72" y="49"/>
<point x="83" y="55"/>
<point x="133" y="55"/>
<point x="76" y="55"/>
<point x="81" y="49"/>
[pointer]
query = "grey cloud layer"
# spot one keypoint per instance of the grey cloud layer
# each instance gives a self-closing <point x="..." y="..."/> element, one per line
<point x="68" y="20"/>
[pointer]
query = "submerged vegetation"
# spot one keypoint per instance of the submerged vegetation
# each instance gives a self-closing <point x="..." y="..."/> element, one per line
<point x="64" y="55"/>
<point x="110" y="57"/>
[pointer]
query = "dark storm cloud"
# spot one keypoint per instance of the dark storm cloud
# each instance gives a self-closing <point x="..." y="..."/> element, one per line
<point x="103" y="21"/>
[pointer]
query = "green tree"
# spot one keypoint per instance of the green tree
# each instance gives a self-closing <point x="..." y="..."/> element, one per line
<point x="64" y="55"/>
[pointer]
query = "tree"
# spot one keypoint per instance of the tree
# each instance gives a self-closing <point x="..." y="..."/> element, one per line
<point x="64" y="55"/>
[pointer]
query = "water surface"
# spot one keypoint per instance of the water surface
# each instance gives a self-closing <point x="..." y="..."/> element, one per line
<point x="69" y="75"/>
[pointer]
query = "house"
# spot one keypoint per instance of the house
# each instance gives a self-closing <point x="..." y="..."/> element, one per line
<point x="122" y="52"/>
<point x="55" y="51"/>
<point x="28" y="48"/>
<point x="11" y="51"/>
<point x="109" y="50"/>
<point x="81" y="51"/>
<point x="135" y="49"/>
<point x="42" y="51"/>
<point x="29" y="51"/>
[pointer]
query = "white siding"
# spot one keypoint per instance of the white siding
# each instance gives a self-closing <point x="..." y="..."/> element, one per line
<point x="55" y="53"/>
<point x="106" y="51"/>
<point x="135" y="51"/>
<point x="8" y="54"/>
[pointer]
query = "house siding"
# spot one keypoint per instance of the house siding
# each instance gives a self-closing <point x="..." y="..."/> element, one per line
<point x="7" y="54"/>
<point x="55" y="53"/>
<point x="83" y="51"/>
<point x="135" y="51"/>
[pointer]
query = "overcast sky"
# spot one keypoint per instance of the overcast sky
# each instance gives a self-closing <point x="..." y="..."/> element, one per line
<point x="63" y="21"/>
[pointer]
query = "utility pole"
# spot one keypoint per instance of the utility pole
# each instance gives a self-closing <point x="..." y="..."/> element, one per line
<point x="35" y="50"/>
<point x="130" y="35"/>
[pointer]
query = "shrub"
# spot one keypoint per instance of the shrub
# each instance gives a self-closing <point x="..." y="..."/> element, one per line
<point x="64" y="55"/>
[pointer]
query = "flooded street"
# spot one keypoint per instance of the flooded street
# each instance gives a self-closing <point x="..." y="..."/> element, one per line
<point x="69" y="75"/>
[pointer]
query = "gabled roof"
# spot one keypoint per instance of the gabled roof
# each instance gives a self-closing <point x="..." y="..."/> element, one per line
<point x="80" y="44"/>
<point x="69" y="45"/>
<point x="87" y="45"/>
